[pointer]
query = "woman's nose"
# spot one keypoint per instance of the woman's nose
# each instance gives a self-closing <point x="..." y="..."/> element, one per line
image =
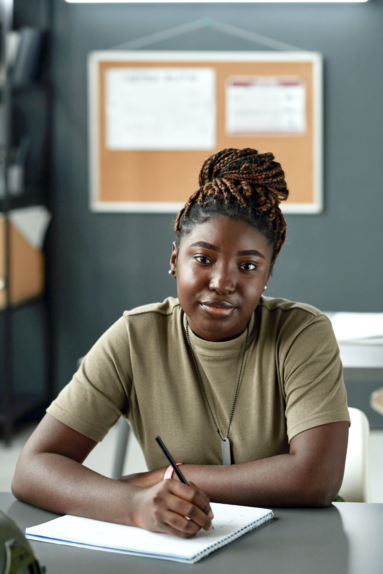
<point x="222" y="281"/>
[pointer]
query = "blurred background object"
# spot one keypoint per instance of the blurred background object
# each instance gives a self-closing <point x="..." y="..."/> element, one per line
<point x="377" y="401"/>
<point x="26" y="374"/>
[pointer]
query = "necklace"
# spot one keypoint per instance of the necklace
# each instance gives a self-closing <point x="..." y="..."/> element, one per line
<point x="225" y="443"/>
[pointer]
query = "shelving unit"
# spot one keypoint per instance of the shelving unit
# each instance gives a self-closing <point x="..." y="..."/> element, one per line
<point x="25" y="326"/>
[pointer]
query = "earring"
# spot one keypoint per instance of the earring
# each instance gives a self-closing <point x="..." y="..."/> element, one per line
<point x="265" y="288"/>
<point x="170" y="272"/>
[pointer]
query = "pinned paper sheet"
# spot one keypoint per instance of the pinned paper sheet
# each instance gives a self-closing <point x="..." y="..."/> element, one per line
<point x="265" y="104"/>
<point x="356" y="326"/>
<point x="32" y="223"/>
<point x="160" y="109"/>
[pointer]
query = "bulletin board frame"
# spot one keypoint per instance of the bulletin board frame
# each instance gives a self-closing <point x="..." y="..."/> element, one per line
<point x="300" y="156"/>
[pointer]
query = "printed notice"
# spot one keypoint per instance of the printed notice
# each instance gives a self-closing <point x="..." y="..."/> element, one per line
<point x="160" y="109"/>
<point x="265" y="104"/>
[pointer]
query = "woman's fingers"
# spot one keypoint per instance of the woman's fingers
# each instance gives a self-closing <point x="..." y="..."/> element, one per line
<point x="180" y="526"/>
<point x="175" y="508"/>
<point x="184" y="509"/>
<point x="192" y="494"/>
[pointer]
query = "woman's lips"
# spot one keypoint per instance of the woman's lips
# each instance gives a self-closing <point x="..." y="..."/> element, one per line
<point x="217" y="309"/>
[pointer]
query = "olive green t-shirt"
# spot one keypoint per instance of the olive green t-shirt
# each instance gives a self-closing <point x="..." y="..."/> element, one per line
<point x="142" y="369"/>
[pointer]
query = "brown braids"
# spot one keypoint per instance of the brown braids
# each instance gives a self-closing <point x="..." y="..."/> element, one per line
<point x="240" y="183"/>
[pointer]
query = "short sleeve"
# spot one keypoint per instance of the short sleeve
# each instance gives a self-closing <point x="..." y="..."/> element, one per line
<point x="98" y="393"/>
<point x="313" y="379"/>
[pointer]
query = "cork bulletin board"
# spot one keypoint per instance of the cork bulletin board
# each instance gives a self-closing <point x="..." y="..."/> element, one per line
<point x="154" y="117"/>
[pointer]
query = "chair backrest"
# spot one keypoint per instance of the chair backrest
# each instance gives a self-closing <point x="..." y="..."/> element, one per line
<point x="356" y="481"/>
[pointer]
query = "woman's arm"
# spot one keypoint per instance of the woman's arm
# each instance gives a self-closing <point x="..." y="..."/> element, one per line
<point x="50" y="475"/>
<point x="310" y="475"/>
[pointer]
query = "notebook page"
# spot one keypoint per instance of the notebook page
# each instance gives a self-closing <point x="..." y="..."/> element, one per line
<point x="230" y="522"/>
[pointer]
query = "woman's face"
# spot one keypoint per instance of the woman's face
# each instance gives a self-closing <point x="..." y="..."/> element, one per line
<point x="222" y="268"/>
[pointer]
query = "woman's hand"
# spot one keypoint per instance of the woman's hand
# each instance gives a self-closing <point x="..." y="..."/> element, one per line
<point x="174" y="508"/>
<point x="145" y="479"/>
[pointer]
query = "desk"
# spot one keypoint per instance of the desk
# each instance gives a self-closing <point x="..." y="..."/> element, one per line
<point x="343" y="539"/>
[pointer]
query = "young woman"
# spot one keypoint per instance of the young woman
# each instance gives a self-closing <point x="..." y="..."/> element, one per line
<point x="246" y="391"/>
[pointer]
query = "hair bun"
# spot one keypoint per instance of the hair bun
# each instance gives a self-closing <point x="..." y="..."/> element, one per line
<point x="246" y="166"/>
<point x="212" y="167"/>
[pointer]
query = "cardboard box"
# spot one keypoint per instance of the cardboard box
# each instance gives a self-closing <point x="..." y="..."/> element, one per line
<point x="27" y="267"/>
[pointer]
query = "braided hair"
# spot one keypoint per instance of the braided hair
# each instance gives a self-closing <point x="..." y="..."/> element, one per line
<point x="241" y="184"/>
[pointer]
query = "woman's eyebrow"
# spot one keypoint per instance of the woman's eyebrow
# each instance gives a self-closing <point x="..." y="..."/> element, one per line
<point x="214" y="248"/>
<point x="251" y="252"/>
<point x="206" y="245"/>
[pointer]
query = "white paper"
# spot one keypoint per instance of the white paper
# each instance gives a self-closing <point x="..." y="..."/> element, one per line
<point x="230" y="522"/>
<point x="356" y="326"/>
<point x="265" y="104"/>
<point x="160" y="109"/>
<point x="32" y="223"/>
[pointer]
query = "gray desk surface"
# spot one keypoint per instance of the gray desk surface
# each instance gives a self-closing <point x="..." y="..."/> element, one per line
<point x="343" y="539"/>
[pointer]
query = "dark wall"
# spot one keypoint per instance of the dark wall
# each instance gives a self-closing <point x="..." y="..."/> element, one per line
<point x="105" y="263"/>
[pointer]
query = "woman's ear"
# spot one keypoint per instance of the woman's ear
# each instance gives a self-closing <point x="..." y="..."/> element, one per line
<point x="268" y="277"/>
<point x="173" y="260"/>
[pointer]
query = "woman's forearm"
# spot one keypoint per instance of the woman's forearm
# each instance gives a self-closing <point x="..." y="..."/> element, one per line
<point x="50" y="475"/>
<point x="310" y="475"/>
<point x="276" y="481"/>
<point x="60" y="484"/>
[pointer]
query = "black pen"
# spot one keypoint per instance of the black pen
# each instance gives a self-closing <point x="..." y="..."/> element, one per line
<point x="173" y="464"/>
<point x="171" y="460"/>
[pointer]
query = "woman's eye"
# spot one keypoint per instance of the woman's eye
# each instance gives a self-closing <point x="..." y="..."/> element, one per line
<point x="248" y="266"/>
<point x="202" y="259"/>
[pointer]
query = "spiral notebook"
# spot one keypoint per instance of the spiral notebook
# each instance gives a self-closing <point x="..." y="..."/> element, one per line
<point x="230" y="522"/>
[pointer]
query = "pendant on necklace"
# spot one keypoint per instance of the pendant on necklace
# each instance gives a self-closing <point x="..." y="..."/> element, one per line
<point x="226" y="455"/>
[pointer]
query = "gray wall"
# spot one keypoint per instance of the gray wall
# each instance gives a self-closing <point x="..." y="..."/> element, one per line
<point x="105" y="263"/>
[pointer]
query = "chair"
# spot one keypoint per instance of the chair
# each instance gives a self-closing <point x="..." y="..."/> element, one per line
<point x="356" y="480"/>
<point x="123" y="432"/>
